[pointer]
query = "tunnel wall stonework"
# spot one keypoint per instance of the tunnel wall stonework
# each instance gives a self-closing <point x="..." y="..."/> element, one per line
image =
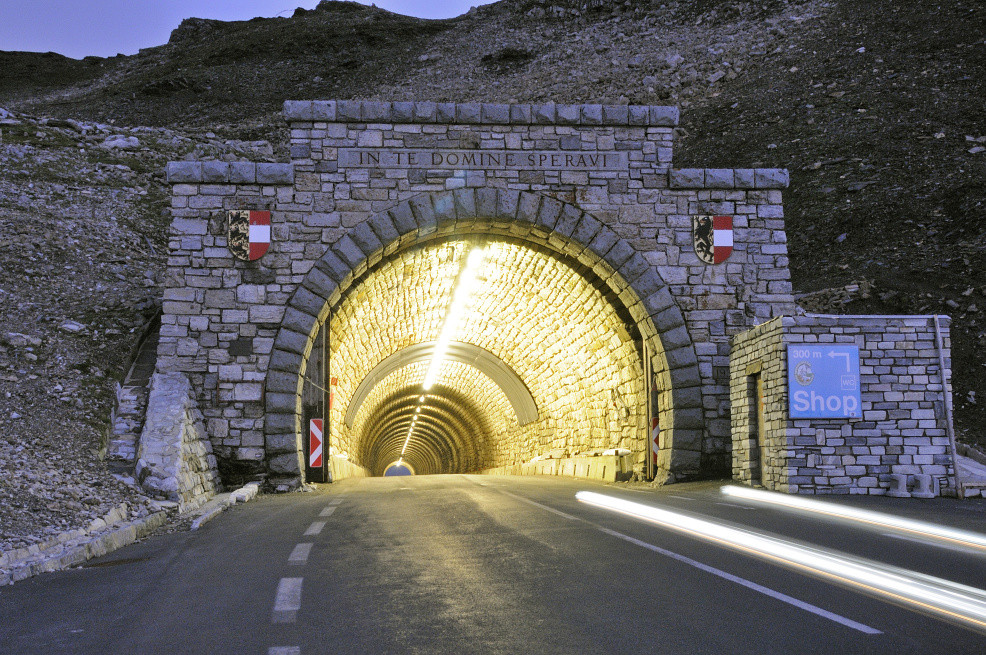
<point x="352" y="195"/>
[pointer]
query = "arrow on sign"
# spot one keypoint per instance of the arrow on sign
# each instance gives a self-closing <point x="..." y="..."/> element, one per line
<point x="846" y="355"/>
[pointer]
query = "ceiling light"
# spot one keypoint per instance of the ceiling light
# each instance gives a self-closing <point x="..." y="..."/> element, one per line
<point x="468" y="280"/>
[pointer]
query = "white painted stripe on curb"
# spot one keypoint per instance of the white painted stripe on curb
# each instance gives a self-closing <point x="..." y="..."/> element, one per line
<point x="544" y="507"/>
<point x="300" y="554"/>
<point x="314" y="528"/>
<point x="284" y="650"/>
<point x="288" y="600"/>
<point x="808" y="607"/>
<point x="327" y="511"/>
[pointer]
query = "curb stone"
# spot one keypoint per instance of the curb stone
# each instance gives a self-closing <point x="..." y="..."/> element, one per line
<point x="78" y="550"/>
<point x="222" y="502"/>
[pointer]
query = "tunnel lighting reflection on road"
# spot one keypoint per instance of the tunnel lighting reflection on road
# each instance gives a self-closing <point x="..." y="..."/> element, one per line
<point x="961" y="537"/>
<point x="466" y="284"/>
<point x="963" y="604"/>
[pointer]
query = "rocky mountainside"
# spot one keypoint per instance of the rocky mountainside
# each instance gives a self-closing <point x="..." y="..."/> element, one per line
<point x="876" y="108"/>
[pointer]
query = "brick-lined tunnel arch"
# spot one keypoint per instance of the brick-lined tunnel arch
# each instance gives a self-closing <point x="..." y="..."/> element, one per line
<point x="622" y="276"/>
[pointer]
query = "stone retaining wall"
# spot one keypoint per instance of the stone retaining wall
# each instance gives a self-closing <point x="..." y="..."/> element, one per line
<point x="903" y="426"/>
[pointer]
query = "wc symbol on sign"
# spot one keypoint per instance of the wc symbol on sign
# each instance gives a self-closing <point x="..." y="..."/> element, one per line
<point x="849" y="382"/>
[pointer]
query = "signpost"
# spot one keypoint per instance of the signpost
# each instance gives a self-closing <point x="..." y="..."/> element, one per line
<point x="316" y="458"/>
<point x="823" y="381"/>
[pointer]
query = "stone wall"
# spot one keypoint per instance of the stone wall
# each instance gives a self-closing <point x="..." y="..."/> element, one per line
<point x="903" y="426"/>
<point x="353" y="196"/>
<point x="175" y="459"/>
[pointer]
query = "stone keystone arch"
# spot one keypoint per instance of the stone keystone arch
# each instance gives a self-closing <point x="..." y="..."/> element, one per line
<point x="550" y="223"/>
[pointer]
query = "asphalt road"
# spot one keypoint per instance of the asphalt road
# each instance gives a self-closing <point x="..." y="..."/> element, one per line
<point x="470" y="564"/>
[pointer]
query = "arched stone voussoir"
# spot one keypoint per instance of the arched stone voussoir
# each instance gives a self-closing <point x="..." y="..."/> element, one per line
<point x="568" y="220"/>
<point x="333" y="266"/>
<point x="528" y="204"/>
<point x="275" y="423"/>
<point x="383" y="226"/>
<point x="285" y="442"/>
<point x="619" y="254"/>
<point x="507" y="203"/>
<point x="282" y="382"/>
<point x="293" y="342"/>
<point x="423" y="211"/>
<point x="307" y="302"/>
<point x="349" y="251"/>
<point x="319" y="283"/>
<point x="364" y="237"/>
<point x="283" y="360"/>
<point x="586" y="229"/>
<point x="445" y="210"/>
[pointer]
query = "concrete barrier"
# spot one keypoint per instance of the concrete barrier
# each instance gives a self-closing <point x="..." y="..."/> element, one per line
<point x="607" y="468"/>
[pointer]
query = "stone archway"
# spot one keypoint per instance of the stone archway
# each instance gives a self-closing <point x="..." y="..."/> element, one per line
<point x="561" y="229"/>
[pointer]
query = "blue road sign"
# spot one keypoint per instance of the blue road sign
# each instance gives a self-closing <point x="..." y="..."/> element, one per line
<point x="823" y="381"/>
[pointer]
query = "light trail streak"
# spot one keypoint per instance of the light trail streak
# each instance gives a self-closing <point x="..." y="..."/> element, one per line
<point x="962" y="537"/>
<point x="942" y="598"/>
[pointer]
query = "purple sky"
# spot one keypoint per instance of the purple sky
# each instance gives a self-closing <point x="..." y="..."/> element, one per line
<point x="77" y="28"/>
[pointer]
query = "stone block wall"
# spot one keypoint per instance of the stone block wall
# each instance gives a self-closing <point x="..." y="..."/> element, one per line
<point x="175" y="459"/>
<point x="353" y="193"/>
<point x="903" y="427"/>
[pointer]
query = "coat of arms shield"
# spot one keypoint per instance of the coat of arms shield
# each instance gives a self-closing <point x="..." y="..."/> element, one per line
<point x="248" y="233"/>
<point x="713" y="238"/>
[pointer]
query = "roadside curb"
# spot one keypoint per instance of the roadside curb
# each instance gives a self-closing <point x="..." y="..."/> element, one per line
<point x="75" y="551"/>
<point x="221" y="502"/>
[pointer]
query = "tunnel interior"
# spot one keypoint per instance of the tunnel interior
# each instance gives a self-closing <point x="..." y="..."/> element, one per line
<point x="447" y="365"/>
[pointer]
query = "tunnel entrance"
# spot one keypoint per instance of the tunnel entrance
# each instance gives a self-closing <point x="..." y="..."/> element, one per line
<point x="604" y="308"/>
<point x="504" y="351"/>
<point x="486" y="345"/>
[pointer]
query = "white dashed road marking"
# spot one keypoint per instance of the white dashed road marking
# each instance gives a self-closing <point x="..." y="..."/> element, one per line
<point x="328" y="511"/>
<point x="314" y="528"/>
<point x="284" y="650"/>
<point x="300" y="554"/>
<point x="288" y="600"/>
<point x="335" y="501"/>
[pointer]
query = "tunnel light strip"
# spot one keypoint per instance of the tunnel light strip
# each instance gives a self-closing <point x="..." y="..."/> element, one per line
<point x="468" y="279"/>
<point x="966" y="605"/>
<point x="961" y="537"/>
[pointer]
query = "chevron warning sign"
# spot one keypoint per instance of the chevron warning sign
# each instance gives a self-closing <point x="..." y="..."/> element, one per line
<point x="315" y="443"/>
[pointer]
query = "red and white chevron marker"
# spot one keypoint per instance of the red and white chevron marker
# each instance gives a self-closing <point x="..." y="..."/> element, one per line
<point x="259" y="233"/>
<point x="315" y="443"/>
<point x="722" y="238"/>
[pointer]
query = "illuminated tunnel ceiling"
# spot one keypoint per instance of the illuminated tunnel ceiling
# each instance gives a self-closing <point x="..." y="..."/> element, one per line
<point x="531" y="313"/>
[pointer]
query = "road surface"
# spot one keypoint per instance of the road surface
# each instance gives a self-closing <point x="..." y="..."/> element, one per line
<point x="474" y="564"/>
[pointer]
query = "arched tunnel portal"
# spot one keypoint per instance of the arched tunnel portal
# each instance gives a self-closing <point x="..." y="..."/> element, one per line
<point x="548" y="350"/>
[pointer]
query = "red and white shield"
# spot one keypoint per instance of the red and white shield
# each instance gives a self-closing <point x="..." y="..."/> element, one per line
<point x="248" y="233"/>
<point x="713" y="238"/>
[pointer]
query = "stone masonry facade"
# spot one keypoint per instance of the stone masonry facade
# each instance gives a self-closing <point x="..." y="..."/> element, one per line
<point x="368" y="180"/>
<point x="904" y="424"/>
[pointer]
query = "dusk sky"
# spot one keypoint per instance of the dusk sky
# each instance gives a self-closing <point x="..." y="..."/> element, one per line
<point x="77" y="28"/>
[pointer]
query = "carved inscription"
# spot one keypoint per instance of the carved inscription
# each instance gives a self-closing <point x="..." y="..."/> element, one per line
<point x="449" y="159"/>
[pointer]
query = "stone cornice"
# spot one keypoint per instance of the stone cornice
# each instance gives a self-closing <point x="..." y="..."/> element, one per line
<point x="478" y="113"/>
